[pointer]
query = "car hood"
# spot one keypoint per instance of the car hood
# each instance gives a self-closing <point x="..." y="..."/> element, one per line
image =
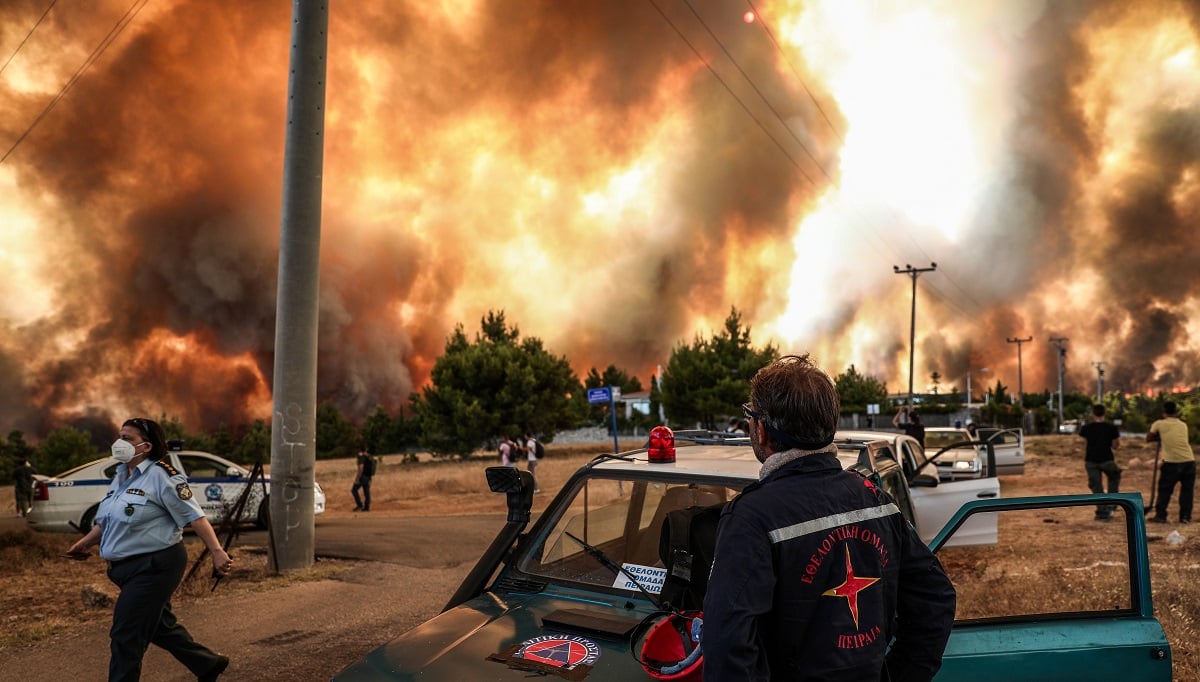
<point x="476" y="641"/>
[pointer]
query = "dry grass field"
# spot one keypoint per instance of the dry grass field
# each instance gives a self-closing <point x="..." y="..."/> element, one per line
<point x="33" y="578"/>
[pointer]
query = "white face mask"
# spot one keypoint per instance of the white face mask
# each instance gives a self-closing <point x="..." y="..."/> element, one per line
<point x="123" y="451"/>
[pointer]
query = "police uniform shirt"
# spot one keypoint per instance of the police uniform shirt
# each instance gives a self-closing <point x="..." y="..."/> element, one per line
<point x="145" y="511"/>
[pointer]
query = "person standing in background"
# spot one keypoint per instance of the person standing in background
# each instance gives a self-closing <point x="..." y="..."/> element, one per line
<point x="1102" y="438"/>
<point x="1178" y="464"/>
<point x="506" y="452"/>
<point x="23" y="486"/>
<point x="531" y="458"/>
<point x="362" y="480"/>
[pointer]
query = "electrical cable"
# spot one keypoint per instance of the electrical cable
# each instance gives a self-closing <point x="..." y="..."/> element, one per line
<point x="27" y="35"/>
<point x="760" y="93"/>
<point x="733" y="94"/>
<point x="117" y="29"/>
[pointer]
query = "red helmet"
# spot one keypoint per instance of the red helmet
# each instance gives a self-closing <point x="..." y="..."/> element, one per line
<point x="671" y="649"/>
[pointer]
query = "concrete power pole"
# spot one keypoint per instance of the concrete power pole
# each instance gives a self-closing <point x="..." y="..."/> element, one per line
<point x="912" y="325"/>
<point x="1020" y="370"/>
<point x="1099" y="380"/>
<point x="1060" y="344"/>
<point x="293" y="424"/>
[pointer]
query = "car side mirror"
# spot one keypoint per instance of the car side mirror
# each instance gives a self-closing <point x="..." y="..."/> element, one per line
<point x="518" y="485"/>
<point x="923" y="481"/>
<point x="234" y="472"/>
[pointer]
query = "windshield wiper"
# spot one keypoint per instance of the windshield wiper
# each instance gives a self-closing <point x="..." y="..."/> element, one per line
<point x="611" y="565"/>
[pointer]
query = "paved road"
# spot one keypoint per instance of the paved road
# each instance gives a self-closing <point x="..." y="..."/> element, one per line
<point x="416" y="541"/>
<point x="305" y="631"/>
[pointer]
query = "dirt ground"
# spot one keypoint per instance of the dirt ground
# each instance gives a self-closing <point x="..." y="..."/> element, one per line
<point x="33" y="585"/>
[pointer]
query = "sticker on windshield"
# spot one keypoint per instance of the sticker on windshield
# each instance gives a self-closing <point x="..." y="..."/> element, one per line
<point x="570" y="657"/>
<point x="650" y="578"/>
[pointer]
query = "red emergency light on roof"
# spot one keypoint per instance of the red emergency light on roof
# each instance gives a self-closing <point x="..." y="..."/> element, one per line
<point x="662" y="446"/>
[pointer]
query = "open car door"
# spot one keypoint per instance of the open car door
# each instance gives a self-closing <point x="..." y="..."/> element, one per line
<point x="1062" y="596"/>
<point x="935" y="502"/>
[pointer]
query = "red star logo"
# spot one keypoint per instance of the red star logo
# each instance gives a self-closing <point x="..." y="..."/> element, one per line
<point x="850" y="588"/>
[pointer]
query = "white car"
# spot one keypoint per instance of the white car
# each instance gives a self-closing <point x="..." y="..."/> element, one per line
<point x="67" y="502"/>
<point x="958" y="455"/>
<point x="934" y="501"/>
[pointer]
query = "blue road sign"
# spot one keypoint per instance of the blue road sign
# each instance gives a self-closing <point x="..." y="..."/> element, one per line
<point x="599" y="395"/>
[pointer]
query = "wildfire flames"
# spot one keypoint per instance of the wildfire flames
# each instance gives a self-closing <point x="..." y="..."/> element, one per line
<point x="614" y="175"/>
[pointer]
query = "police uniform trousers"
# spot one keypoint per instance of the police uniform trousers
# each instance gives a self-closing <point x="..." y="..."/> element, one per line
<point x="142" y="615"/>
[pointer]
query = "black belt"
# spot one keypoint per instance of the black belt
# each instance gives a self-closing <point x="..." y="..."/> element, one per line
<point x="117" y="562"/>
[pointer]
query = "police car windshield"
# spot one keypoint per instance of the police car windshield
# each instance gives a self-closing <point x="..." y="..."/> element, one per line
<point x="623" y="518"/>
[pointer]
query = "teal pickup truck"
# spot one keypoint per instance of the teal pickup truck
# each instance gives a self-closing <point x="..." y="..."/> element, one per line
<point x="1052" y="594"/>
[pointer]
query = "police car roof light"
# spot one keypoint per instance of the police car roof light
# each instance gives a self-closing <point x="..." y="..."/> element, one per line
<point x="661" y="449"/>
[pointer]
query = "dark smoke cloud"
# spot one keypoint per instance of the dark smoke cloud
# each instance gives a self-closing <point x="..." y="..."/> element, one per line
<point x="165" y="162"/>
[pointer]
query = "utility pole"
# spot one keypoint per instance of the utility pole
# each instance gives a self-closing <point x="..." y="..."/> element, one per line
<point x="1020" y="370"/>
<point x="981" y="369"/>
<point x="1060" y="343"/>
<point x="293" y="424"/>
<point x="912" y="324"/>
<point x="1099" y="365"/>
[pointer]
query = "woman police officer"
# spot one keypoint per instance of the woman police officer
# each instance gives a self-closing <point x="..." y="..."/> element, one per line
<point x="138" y="526"/>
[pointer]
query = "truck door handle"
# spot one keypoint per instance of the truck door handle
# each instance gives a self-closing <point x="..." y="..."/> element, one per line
<point x="985" y="496"/>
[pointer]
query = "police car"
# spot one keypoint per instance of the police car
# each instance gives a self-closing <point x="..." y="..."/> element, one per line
<point x="67" y="502"/>
<point x="570" y="596"/>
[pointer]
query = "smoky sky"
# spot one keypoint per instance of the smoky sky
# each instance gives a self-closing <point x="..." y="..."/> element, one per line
<point x="464" y="155"/>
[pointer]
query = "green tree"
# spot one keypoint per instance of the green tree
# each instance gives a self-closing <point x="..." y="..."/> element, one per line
<point x="63" y="449"/>
<point x="255" y="444"/>
<point x="711" y="377"/>
<point x="496" y="384"/>
<point x="856" y="390"/>
<point x="385" y="434"/>
<point x="15" y="449"/>
<point x="336" y="436"/>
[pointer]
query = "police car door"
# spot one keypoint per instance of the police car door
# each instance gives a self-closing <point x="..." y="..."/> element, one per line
<point x="210" y="480"/>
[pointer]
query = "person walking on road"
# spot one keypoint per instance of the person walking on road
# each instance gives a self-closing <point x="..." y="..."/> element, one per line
<point x="363" y="474"/>
<point x="1102" y="438"/>
<point x="139" y="527"/>
<point x="817" y="574"/>
<point x="1178" y="464"/>
<point x="23" y="486"/>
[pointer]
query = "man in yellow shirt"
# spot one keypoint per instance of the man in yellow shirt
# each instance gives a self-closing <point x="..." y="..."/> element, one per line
<point x="1178" y="464"/>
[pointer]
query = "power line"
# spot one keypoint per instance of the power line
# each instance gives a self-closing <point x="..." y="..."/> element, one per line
<point x="795" y="72"/>
<point x="117" y="29"/>
<point x="39" y="23"/>
<point x="754" y="85"/>
<point x="733" y="94"/>
<point x="953" y="282"/>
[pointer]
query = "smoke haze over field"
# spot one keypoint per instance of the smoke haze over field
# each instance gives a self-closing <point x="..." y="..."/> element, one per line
<point x="614" y="178"/>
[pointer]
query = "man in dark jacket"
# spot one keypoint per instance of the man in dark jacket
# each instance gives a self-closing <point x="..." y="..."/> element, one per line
<point x="1102" y="438"/>
<point x="816" y="570"/>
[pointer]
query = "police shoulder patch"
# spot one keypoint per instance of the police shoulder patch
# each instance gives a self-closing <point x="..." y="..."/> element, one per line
<point x="171" y="471"/>
<point x="185" y="493"/>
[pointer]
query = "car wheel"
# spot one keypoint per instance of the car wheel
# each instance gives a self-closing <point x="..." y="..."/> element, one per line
<point x="89" y="517"/>
<point x="264" y="513"/>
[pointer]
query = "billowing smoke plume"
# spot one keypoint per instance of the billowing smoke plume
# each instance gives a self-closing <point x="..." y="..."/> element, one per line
<point x="604" y="173"/>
